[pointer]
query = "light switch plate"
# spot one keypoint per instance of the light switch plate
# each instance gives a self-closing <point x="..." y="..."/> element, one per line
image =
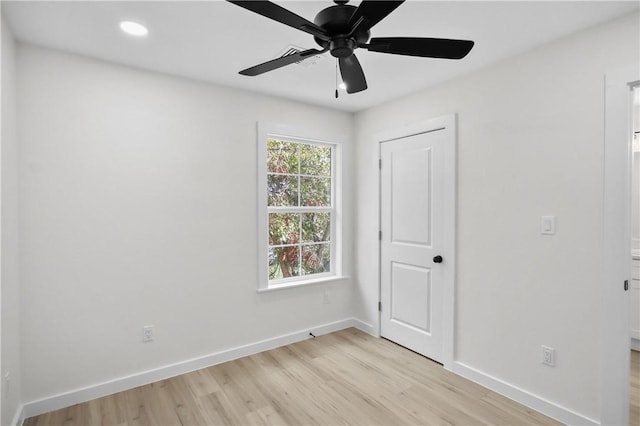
<point x="548" y="226"/>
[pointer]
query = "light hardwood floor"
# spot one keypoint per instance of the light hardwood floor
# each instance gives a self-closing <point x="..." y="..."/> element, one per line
<point x="346" y="377"/>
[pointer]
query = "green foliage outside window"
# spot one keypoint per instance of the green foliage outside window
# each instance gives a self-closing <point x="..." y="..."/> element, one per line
<point x="300" y="202"/>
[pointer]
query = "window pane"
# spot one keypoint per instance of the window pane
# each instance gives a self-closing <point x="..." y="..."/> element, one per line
<point x="282" y="157"/>
<point x="315" y="191"/>
<point x="299" y="209"/>
<point x="282" y="190"/>
<point x="284" y="262"/>
<point x="315" y="160"/>
<point x="284" y="228"/>
<point x="316" y="227"/>
<point x="316" y="259"/>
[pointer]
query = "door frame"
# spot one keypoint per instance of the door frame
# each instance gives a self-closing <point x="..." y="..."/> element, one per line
<point x="448" y="124"/>
<point x="616" y="253"/>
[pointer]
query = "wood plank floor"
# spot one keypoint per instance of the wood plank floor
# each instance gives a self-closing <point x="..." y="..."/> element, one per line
<point x="347" y="377"/>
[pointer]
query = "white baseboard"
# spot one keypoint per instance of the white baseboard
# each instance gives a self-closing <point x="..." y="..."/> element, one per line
<point x="635" y="344"/>
<point x="522" y="396"/>
<point x="99" y="390"/>
<point x="364" y="327"/>
<point x="19" y="417"/>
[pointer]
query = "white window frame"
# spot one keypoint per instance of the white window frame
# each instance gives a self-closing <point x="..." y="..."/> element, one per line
<point x="267" y="131"/>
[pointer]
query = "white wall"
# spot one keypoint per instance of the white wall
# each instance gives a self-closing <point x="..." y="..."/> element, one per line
<point x="530" y="144"/>
<point x="9" y="284"/>
<point x="138" y="207"/>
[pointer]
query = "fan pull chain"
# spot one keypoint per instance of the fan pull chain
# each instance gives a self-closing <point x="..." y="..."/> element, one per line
<point x="336" y="78"/>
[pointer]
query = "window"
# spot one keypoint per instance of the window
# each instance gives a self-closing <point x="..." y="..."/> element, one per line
<point x="298" y="214"/>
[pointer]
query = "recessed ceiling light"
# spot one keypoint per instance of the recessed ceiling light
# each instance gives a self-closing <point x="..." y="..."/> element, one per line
<point x="133" y="28"/>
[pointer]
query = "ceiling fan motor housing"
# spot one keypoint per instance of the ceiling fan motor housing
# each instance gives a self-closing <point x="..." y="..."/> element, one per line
<point x="335" y="21"/>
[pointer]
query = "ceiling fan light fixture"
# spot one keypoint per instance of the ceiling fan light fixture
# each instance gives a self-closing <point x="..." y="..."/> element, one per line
<point x="341" y="29"/>
<point x="134" y="28"/>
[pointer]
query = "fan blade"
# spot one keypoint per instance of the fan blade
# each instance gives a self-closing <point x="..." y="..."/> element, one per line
<point x="425" y="47"/>
<point x="370" y="12"/>
<point x="352" y="74"/>
<point x="282" y="15"/>
<point x="280" y="62"/>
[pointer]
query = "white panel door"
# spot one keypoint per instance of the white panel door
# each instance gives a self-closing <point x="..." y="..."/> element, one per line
<point x="413" y="262"/>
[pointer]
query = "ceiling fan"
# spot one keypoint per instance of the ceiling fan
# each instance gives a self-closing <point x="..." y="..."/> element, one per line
<point x="341" y="29"/>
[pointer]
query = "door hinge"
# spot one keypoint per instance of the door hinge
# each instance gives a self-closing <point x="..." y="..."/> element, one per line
<point x="380" y="235"/>
<point x="626" y="285"/>
<point x="379" y="306"/>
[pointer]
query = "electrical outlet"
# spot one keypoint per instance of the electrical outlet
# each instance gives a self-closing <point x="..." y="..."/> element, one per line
<point x="148" y="333"/>
<point x="548" y="356"/>
<point x="325" y="298"/>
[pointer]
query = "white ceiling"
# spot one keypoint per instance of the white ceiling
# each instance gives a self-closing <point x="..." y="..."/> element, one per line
<point x="213" y="40"/>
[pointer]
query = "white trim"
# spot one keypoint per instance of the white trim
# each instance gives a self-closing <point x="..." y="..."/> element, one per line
<point x="99" y="390"/>
<point x="447" y="123"/>
<point x="323" y="280"/>
<point x="450" y="225"/>
<point x="19" y="417"/>
<point x="635" y="344"/>
<point x="365" y="327"/>
<point x="616" y="264"/>
<point x="522" y="396"/>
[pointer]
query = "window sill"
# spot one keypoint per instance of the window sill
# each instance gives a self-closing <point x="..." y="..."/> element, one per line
<point x="303" y="283"/>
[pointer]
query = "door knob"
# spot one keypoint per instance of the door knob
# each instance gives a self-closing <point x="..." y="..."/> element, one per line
<point x="437" y="259"/>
